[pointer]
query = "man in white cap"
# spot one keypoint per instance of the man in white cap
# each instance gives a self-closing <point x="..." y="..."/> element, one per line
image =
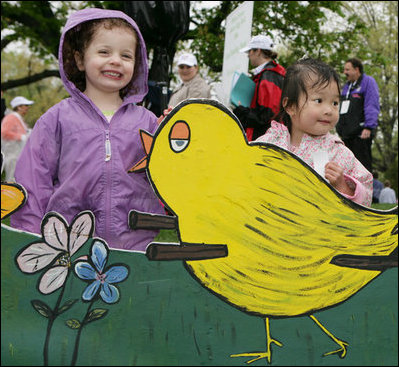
<point x="268" y="77"/>
<point x="14" y="134"/>
<point x="193" y="85"/>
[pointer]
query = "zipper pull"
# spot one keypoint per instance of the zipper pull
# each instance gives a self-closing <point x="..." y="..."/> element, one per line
<point x="107" y="147"/>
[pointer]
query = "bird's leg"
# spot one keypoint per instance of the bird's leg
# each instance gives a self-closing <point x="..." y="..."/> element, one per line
<point x="260" y="355"/>
<point x="341" y="343"/>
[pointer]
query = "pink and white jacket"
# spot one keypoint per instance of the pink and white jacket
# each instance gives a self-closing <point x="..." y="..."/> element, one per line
<point x="356" y="175"/>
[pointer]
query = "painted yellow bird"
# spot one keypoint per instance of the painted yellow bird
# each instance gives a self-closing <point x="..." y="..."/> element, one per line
<point x="13" y="196"/>
<point x="295" y="246"/>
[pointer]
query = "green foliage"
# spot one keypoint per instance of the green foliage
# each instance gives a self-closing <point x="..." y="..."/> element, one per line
<point x="45" y="93"/>
<point x="298" y="27"/>
<point x="379" y="48"/>
<point x="391" y="174"/>
<point x="38" y="22"/>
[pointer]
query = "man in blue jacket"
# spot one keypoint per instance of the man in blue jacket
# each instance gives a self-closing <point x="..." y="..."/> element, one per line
<point x="359" y="111"/>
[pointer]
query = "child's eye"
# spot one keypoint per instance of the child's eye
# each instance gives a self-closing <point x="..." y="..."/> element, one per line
<point x="336" y="103"/>
<point x="103" y="52"/>
<point x="127" y="56"/>
<point x="318" y="100"/>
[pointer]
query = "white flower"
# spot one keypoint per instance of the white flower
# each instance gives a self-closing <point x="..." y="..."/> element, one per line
<point x="59" y="243"/>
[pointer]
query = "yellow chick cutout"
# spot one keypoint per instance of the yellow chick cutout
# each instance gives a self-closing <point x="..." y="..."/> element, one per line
<point x="13" y="196"/>
<point x="257" y="226"/>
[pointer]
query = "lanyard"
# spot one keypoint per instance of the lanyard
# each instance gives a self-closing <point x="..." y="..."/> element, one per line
<point x="349" y="91"/>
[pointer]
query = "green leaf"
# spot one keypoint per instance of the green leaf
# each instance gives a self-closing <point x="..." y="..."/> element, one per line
<point x="67" y="305"/>
<point x="73" y="323"/>
<point x="42" y="308"/>
<point x="96" y="314"/>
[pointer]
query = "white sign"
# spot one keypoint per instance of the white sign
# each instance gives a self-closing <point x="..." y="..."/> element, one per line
<point x="238" y="35"/>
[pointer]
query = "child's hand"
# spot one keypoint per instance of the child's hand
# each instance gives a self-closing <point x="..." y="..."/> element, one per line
<point x="334" y="173"/>
<point x="165" y="113"/>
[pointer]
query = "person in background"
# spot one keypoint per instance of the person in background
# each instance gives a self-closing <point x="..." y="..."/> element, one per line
<point x="14" y="134"/>
<point x="360" y="107"/>
<point x="268" y="77"/>
<point x="387" y="194"/>
<point x="309" y="110"/>
<point x="377" y="187"/>
<point x="193" y="85"/>
<point x="80" y="150"/>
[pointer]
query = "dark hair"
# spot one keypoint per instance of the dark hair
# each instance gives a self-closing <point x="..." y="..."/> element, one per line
<point x="356" y="63"/>
<point x="79" y="38"/>
<point x="269" y="54"/>
<point x="296" y="83"/>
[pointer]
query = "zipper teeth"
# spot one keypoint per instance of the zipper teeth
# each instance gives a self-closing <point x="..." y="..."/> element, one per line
<point x="107" y="147"/>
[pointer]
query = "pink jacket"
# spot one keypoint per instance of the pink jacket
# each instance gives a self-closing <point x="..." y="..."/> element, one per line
<point x="13" y="127"/>
<point x="355" y="173"/>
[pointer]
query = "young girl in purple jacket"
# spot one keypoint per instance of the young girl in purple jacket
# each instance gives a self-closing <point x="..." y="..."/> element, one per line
<point x="80" y="150"/>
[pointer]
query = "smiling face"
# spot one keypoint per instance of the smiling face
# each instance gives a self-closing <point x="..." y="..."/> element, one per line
<point x="109" y="60"/>
<point x="186" y="72"/>
<point x="316" y="114"/>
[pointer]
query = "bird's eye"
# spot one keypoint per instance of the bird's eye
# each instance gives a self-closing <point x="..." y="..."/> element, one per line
<point x="178" y="144"/>
<point x="179" y="136"/>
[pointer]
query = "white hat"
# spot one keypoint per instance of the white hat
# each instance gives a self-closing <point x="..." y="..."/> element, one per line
<point x="187" y="59"/>
<point x="19" y="101"/>
<point x="260" y="41"/>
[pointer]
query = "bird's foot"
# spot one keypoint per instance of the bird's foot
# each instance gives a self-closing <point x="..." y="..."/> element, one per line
<point x="340" y="342"/>
<point x="259" y="355"/>
<point x="341" y="350"/>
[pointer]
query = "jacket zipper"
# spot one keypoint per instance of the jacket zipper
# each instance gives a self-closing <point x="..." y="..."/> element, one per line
<point x="108" y="187"/>
<point x="107" y="147"/>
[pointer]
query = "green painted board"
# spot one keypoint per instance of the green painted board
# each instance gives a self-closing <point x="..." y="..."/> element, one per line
<point x="165" y="318"/>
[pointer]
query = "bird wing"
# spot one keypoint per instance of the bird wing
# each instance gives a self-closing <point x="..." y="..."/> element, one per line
<point x="13" y="196"/>
<point x="294" y="203"/>
<point x="283" y="224"/>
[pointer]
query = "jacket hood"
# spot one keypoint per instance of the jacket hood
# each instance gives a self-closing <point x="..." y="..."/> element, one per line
<point x="140" y="77"/>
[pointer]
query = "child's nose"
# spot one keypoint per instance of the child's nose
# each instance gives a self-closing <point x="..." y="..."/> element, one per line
<point x="115" y="59"/>
<point x="329" y="110"/>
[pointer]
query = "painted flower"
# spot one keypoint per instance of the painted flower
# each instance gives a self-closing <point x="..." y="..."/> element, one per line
<point x="59" y="243"/>
<point x="101" y="279"/>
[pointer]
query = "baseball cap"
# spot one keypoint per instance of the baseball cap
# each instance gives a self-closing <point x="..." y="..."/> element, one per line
<point x="187" y="59"/>
<point x="19" y="101"/>
<point x="260" y="41"/>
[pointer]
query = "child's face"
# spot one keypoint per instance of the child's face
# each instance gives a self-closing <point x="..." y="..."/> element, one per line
<point x="109" y="60"/>
<point x="317" y="114"/>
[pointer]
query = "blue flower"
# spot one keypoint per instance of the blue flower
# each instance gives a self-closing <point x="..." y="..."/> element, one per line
<point x="101" y="280"/>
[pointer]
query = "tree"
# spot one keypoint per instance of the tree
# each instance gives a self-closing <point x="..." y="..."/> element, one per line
<point x="379" y="49"/>
<point x="297" y="26"/>
<point x="38" y="24"/>
<point x="44" y="92"/>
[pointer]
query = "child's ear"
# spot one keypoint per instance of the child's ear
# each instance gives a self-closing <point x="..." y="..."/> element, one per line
<point x="78" y="60"/>
<point x="289" y="109"/>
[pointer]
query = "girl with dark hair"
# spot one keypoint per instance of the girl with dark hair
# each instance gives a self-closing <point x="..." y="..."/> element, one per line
<point x="309" y="109"/>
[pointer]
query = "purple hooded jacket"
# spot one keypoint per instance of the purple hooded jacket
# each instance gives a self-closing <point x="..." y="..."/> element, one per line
<point x="63" y="166"/>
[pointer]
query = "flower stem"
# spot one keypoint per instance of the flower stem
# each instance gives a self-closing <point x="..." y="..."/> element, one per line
<point x="51" y="320"/>
<point x="83" y="323"/>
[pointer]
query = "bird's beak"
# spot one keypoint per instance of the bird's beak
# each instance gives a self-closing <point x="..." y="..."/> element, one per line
<point x="146" y="141"/>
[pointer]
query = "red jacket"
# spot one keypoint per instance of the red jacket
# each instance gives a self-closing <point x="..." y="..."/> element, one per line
<point x="265" y="102"/>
